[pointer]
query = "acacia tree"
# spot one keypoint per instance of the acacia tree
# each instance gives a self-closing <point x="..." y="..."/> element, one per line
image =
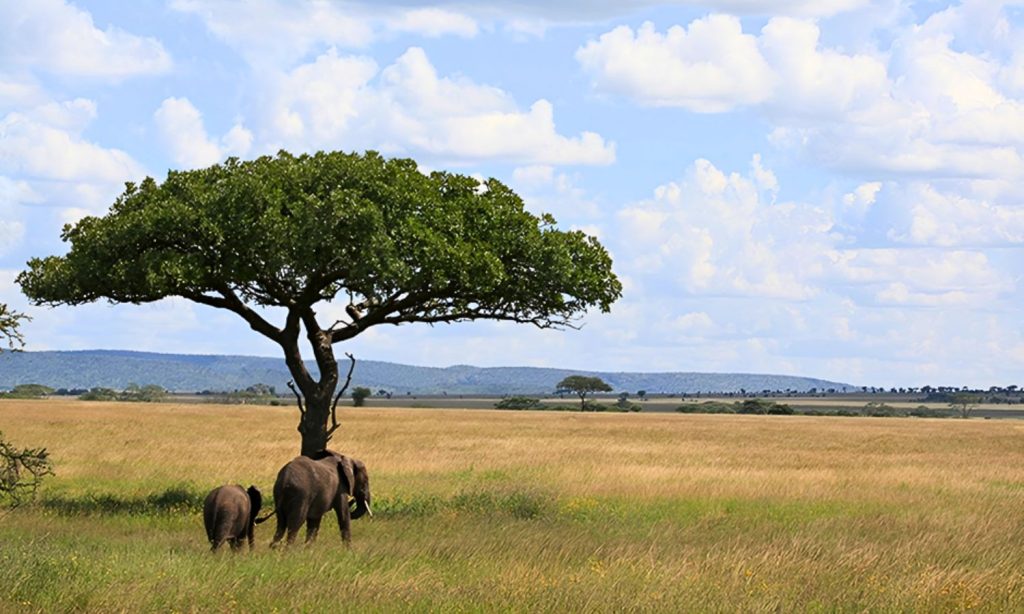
<point x="294" y="232"/>
<point x="964" y="403"/>
<point x="581" y="386"/>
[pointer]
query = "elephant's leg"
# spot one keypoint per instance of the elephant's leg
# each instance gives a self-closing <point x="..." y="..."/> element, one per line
<point x="221" y="535"/>
<point x="236" y="544"/>
<point x="344" y="521"/>
<point x="296" y="516"/>
<point x="312" y="528"/>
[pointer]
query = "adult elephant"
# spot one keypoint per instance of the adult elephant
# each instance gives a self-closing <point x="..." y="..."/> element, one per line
<point x="229" y="515"/>
<point x="307" y="487"/>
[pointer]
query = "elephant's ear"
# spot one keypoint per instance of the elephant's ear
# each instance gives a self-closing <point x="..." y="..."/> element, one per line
<point x="345" y="473"/>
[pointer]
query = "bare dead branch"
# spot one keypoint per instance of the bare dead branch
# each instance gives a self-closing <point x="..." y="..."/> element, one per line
<point x="298" y="398"/>
<point x="334" y="406"/>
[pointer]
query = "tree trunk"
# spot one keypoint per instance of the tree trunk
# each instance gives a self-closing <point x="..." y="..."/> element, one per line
<point x="316" y="398"/>
<point x="313" y="424"/>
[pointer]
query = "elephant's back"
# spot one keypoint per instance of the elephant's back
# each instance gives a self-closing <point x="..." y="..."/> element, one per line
<point x="298" y="474"/>
<point x="228" y="499"/>
<point x="313" y="482"/>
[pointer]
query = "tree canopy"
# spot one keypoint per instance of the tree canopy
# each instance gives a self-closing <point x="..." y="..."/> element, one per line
<point x="393" y="244"/>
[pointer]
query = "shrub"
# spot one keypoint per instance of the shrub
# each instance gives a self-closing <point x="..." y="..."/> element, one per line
<point x="707" y="407"/>
<point x="99" y="394"/>
<point x="519" y="403"/>
<point x="28" y="391"/>
<point x="881" y="410"/>
<point x="780" y="409"/>
<point x="927" y="412"/>
<point x="150" y="393"/>
<point x="760" y="406"/>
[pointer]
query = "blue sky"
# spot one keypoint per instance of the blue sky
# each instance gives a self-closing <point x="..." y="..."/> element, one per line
<point x="830" y="188"/>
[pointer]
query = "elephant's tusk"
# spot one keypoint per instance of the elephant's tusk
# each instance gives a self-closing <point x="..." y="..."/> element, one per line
<point x="368" y="510"/>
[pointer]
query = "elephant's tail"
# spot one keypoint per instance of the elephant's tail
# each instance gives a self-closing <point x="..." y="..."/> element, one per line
<point x="265" y="518"/>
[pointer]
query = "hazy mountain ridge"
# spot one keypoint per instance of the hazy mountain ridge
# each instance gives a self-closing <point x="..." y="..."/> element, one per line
<point x="190" y="373"/>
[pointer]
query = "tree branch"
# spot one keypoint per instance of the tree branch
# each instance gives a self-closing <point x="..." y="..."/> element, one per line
<point x="21" y="471"/>
<point x="542" y="322"/>
<point x="334" y="406"/>
<point x="229" y="300"/>
<point x="292" y="354"/>
<point x="298" y="399"/>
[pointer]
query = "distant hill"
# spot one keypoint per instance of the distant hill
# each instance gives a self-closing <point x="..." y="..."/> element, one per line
<point x="193" y="373"/>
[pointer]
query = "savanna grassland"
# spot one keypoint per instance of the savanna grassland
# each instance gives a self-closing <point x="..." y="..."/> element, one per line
<point x="525" y="511"/>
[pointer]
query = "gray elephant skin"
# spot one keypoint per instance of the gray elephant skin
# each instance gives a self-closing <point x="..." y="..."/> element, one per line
<point x="308" y="487"/>
<point x="229" y="514"/>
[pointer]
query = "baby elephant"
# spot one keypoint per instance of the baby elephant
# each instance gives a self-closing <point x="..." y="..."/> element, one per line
<point x="229" y="514"/>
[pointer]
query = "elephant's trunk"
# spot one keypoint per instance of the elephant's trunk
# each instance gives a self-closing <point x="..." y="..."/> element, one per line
<point x="360" y="506"/>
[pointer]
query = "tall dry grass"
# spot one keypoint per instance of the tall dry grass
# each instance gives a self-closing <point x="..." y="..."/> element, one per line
<point x="522" y="511"/>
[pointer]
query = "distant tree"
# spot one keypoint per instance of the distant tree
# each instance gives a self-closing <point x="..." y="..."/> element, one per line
<point x="21" y="473"/>
<point x="964" y="403"/>
<point x="286" y="234"/>
<point x="150" y="393"/>
<point x="10" y="321"/>
<point x="261" y="390"/>
<point x="581" y="386"/>
<point x="99" y="394"/>
<point x="359" y="395"/>
<point x="29" y="391"/>
<point x="642" y="394"/>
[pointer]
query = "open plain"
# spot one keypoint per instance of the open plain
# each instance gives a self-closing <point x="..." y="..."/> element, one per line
<point x="526" y="511"/>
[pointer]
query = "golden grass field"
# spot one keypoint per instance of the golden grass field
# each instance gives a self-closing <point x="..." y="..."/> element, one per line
<point x="527" y="511"/>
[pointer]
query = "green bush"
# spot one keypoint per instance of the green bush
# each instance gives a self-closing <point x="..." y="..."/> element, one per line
<point x="881" y="410"/>
<point x="927" y="412"/>
<point x="707" y="407"/>
<point x="150" y="393"/>
<point x="519" y="403"/>
<point x="28" y="391"/>
<point x="99" y="394"/>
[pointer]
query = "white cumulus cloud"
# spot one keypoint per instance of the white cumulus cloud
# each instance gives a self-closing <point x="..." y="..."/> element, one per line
<point x="180" y="126"/>
<point x="54" y="36"/>
<point x="924" y="105"/>
<point x="407" y="108"/>
<point x="709" y="66"/>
